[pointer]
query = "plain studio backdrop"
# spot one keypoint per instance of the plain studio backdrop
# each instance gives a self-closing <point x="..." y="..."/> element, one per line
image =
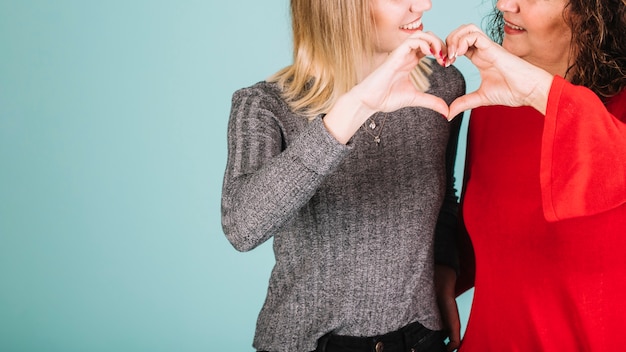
<point x="112" y="150"/>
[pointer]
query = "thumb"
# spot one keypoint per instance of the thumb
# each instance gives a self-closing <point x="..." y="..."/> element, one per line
<point x="464" y="102"/>
<point x="432" y="102"/>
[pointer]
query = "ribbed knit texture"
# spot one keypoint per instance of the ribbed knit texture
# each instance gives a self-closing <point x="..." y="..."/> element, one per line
<point x="353" y="225"/>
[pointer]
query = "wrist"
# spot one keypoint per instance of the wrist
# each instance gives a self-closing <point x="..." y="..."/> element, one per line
<point x="538" y="98"/>
<point x="345" y="117"/>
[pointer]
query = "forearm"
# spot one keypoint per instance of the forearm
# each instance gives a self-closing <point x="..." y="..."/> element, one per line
<point x="255" y="203"/>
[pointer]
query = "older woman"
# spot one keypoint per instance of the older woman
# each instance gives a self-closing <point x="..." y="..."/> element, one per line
<point x="544" y="200"/>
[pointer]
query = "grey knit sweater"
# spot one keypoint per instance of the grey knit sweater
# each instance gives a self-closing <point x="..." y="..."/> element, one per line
<point x="353" y="225"/>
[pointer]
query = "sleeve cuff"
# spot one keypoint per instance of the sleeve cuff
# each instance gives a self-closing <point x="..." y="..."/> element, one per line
<point x="328" y="153"/>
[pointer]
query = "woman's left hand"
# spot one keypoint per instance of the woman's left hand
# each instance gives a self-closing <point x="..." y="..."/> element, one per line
<point x="505" y="78"/>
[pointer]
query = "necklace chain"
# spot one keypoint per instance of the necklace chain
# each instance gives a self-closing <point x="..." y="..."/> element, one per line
<point x="372" y="125"/>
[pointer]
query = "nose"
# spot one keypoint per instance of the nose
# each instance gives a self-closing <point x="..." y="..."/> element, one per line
<point x="420" y="5"/>
<point x="507" y="5"/>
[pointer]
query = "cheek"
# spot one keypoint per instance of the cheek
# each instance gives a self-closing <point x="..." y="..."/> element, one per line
<point x="382" y="33"/>
<point x="558" y="34"/>
<point x="555" y="25"/>
<point x="380" y="24"/>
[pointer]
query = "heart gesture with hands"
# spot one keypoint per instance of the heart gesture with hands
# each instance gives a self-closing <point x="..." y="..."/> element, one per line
<point x="387" y="88"/>
<point x="506" y="79"/>
<point x="390" y="87"/>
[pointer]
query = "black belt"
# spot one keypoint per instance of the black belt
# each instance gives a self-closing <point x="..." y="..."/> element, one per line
<point x="407" y="339"/>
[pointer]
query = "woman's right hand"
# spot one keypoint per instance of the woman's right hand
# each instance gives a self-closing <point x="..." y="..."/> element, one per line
<point x="505" y="78"/>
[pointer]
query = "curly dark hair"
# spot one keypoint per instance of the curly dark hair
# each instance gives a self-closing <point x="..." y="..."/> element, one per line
<point x="598" y="43"/>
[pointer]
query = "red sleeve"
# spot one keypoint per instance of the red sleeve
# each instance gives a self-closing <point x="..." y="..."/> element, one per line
<point x="583" y="156"/>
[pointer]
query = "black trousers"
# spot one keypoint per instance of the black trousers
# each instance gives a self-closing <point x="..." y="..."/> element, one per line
<point x="411" y="338"/>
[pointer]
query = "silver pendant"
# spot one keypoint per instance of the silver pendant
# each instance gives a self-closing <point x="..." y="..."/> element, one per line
<point x="377" y="140"/>
<point x="372" y="125"/>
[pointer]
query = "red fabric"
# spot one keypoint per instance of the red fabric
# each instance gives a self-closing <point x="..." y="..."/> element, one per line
<point x="545" y="207"/>
<point x="583" y="159"/>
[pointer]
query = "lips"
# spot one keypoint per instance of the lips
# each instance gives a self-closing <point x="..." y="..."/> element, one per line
<point x="513" y="26"/>
<point x="413" y="25"/>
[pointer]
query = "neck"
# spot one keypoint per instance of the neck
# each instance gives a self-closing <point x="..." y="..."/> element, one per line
<point x="557" y="66"/>
<point x="559" y="69"/>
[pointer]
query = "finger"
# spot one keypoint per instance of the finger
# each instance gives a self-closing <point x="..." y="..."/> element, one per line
<point x="405" y="55"/>
<point x="465" y="102"/>
<point x="432" y="102"/>
<point x="466" y="43"/>
<point x="427" y="43"/>
<point x="449" y="58"/>
<point x="437" y="48"/>
<point x="453" y="39"/>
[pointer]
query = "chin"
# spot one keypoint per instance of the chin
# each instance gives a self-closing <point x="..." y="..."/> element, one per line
<point x="510" y="47"/>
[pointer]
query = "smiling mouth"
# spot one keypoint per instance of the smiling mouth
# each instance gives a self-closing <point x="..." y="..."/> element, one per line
<point x="413" y="25"/>
<point x="512" y="26"/>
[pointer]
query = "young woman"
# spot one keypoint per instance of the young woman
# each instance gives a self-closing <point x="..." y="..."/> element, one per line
<point x="545" y="195"/>
<point x="345" y="160"/>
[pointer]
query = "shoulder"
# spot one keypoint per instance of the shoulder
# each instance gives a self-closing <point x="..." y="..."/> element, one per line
<point x="263" y="101"/>
<point x="262" y="94"/>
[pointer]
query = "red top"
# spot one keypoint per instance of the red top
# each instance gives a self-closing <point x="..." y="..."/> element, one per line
<point x="545" y="207"/>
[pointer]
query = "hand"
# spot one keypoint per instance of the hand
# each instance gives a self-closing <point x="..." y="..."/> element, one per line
<point x="505" y="78"/>
<point x="388" y="88"/>
<point x="445" y="280"/>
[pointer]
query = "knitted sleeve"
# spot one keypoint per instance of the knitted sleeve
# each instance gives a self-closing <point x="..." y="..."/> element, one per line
<point x="266" y="181"/>
<point x="583" y="156"/>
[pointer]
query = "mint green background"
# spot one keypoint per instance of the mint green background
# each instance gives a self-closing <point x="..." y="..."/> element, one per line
<point x="112" y="148"/>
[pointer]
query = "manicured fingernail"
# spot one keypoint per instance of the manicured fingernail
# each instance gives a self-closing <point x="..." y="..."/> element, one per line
<point x="432" y="51"/>
<point x="441" y="54"/>
<point x="452" y="55"/>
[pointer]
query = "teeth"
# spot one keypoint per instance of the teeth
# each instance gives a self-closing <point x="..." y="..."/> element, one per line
<point x="412" y="25"/>
<point x="513" y="26"/>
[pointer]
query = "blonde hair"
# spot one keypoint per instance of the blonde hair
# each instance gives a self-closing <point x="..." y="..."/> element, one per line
<point x="331" y="39"/>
